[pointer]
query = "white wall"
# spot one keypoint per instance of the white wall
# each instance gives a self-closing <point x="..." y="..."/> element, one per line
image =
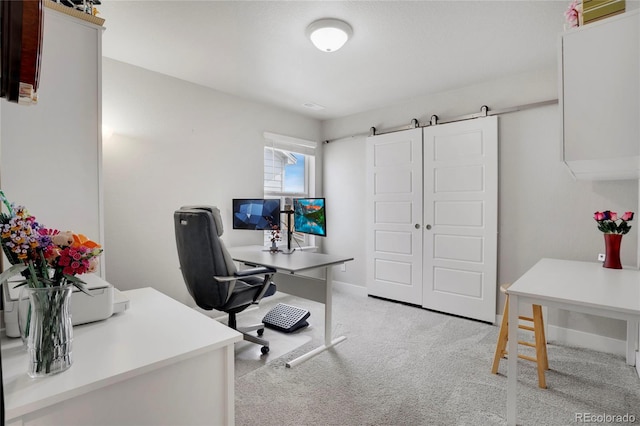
<point x="543" y="212"/>
<point x="344" y="184"/>
<point x="176" y="143"/>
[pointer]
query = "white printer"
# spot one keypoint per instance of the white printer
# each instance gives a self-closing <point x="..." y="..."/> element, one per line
<point x="105" y="300"/>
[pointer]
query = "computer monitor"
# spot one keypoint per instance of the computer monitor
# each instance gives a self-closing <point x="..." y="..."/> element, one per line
<point x="256" y="214"/>
<point x="309" y="216"/>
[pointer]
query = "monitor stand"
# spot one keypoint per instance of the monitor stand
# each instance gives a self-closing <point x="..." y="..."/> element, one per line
<point x="288" y="250"/>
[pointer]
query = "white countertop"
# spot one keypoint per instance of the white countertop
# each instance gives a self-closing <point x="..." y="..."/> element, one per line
<point x="156" y="331"/>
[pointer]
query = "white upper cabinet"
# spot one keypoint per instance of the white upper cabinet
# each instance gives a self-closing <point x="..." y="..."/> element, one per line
<point x="600" y="98"/>
<point x="51" y="151"/>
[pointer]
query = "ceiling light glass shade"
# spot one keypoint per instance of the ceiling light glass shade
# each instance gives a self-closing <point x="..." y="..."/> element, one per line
<point x="329" y="35"/>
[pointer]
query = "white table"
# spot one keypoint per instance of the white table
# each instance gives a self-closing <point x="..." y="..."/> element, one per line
<point x="160" y="362"/>
<point x="577" y="286"/>
<point x="302" y="286"/>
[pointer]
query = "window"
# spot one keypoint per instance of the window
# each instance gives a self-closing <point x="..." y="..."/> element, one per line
<point x="284" y="172"/>
<point x="289" y="168"/>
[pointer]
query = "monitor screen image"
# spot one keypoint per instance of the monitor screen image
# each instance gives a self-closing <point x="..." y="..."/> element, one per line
<point x="309" y="216"/>
<point x="256" y="214"/>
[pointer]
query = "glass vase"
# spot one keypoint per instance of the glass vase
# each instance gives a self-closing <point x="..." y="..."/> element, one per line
<point x="24" y="313"/>
<point x="612" y="251"/>
<point x="49" y="334"/>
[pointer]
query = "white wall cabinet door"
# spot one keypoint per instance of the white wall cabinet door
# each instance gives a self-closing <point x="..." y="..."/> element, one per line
<point x="460" y="217"/>
<point x="51" y="151"/>
<point x="600" y="98"/>
<point x="394" y="208"/>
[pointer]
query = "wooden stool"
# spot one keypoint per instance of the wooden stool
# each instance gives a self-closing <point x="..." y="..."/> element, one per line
<point x="540" y="341"/>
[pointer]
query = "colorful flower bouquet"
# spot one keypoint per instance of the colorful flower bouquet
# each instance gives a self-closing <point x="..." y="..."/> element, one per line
<point x="49" y="261"/>
<point x="610" y="223"/>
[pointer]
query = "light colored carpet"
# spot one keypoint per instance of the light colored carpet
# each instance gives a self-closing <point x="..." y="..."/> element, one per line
<point x="403" y="365"/>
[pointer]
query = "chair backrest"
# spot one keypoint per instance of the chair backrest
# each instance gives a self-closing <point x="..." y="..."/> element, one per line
<point x="202" y="255"/>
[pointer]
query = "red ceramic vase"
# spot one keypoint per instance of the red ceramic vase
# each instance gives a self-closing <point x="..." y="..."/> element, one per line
<point x="612" y="251"/>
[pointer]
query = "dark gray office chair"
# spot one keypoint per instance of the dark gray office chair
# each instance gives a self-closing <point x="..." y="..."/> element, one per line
<point x="210" y="274"/>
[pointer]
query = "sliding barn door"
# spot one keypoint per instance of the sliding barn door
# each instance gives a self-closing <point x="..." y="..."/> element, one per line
<point x="394" y="211"/>
<point x="460" y="218"/>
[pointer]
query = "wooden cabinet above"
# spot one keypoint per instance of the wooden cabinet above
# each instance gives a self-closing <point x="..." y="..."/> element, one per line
<point x="600" y="98"/>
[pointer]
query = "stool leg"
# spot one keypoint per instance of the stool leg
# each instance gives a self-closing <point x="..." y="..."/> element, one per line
<point x="501" y="345"/>
<point x="541" y="346"/>
<point x="544" y="339"/>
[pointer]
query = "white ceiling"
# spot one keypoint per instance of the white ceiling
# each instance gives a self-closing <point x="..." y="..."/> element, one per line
<point x="399" y="49"/>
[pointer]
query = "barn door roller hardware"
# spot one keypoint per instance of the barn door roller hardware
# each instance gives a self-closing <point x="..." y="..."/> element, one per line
<point x="435" y="120"/>
<point x="414" y="124"/>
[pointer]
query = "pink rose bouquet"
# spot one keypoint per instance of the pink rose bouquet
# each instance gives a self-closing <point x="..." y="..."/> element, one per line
<point x="610" y="223"/>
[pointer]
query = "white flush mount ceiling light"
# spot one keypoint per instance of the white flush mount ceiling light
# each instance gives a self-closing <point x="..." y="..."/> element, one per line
<point x="328" y="34"/>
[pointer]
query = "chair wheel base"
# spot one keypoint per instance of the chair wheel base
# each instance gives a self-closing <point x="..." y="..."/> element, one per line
<point x="264" y="350"/>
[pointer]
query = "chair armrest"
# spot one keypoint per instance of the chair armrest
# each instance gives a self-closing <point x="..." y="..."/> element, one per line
<point x="246" y="273"/>
<point x="262" y="270"/>
<point x="255" y="271"/>
<point x="225" y="278"/>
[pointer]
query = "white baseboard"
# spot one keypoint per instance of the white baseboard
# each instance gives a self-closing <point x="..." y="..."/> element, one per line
<point x="345" y="287"/>
<point x="569" y="337"/>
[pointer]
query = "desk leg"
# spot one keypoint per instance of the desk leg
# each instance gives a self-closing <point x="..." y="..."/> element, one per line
<point x="632" y="341"/>
<point x="328" y="342"/>
<point x="512" y="371"/>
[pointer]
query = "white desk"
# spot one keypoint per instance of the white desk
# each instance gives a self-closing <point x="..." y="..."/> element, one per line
<point x="160" y="362"/>
<point x="294" y="263"/>
<point x="577" y="286"/>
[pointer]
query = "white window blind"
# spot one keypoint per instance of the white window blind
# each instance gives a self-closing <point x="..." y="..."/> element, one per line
<point x="288" y="143"/>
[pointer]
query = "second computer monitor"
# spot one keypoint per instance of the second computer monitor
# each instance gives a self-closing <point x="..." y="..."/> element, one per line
<point x="309" y="216"/>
